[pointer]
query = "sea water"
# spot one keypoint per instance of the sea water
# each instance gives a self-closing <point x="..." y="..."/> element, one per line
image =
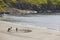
<point x="49" y="21"/>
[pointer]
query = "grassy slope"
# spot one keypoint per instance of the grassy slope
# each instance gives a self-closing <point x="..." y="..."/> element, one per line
<point x="37" y="1"/>
<point x="55" y="2"/>
<point x="2" y="4"/>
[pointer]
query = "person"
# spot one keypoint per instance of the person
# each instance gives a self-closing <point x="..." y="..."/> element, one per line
<point x="9" y="29"/>
<point x="16" y="29"/>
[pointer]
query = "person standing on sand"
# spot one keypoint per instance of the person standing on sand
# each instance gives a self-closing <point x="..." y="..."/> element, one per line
<point x="9" y="29"/>
<point x="16" y="29"/>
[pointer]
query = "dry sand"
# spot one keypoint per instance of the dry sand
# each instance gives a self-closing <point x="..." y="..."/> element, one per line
<point x="36" y="34"/>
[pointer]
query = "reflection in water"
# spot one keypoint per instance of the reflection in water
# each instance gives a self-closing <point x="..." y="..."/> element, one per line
<point x="50" y="21"/>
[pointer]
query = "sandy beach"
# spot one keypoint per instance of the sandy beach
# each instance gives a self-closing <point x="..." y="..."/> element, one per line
<point x="35" y="34"/>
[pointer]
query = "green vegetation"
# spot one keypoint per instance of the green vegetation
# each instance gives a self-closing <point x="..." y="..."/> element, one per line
<point x="3" y="4"/>
<point x="55" y="2"/>
<point x="37" y="1"/>
<point x="11" y="1"/>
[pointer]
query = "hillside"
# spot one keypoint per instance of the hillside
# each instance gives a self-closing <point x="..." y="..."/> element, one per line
<point x="37" y="1"/>
<point x="28" y="4"/>
<point x="7" y="3"/>
<point x="3" y="3"/>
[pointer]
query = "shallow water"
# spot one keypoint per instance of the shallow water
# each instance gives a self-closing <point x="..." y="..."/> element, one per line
<point x="50" y="21"/>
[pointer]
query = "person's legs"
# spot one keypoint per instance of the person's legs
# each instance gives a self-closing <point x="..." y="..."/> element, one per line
<point x="8" y="29"/>
<point x="16" y="29"/>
